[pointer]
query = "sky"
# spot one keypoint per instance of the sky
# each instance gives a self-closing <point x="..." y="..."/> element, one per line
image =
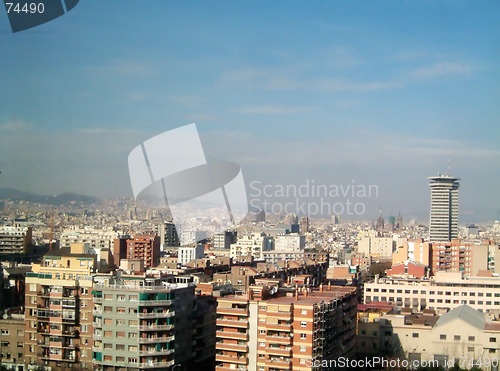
<point x="383" y="93"/>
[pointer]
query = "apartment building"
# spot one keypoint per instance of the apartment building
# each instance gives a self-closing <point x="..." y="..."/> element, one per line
<point x="277" y="331"/>
<point x="58" y="326"/>
<point x="15" y="239"/>
<point x="146" y="247"/>
<point x="12" y="341"/>
<point x="378" y="247"/>
<point x="445" y="290"/>
<point x="461" y="335"/>
<point x="189" y="253"/>
<point x="97" y="239"/>
<point x="142" y="323"/>
<point x="254" y="245"/>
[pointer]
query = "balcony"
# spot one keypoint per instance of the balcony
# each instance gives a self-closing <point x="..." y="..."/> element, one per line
<point x="232" y="335"/>
<point x="155" y="302"/>
<point x="222" y="368"/>
<point x="157" y="315"/>
<point x="279" y="363"/>
<point x="279" y="327"/>
<point x="231" y="323"/>
<point x="232" y="347"/>
<point x="231" y="359"/>
<point x="285" y="340"/>
<point x="280" y="315"/>
<point x="155" y="352"/>
<point x="232" y="311"/>
<point x="155" y="364"/>
<point x="164" y="339"/>
<point x="155" y="327"/>
<point x="287" y="352"/>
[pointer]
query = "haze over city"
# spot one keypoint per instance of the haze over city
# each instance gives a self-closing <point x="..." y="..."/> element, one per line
<point x="379" y="93"/>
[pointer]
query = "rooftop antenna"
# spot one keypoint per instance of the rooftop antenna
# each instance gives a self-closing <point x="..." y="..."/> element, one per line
<point x="449" y="166"/>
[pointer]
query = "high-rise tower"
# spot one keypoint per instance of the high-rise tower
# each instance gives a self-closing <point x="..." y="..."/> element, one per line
<point x="444" y="208"/>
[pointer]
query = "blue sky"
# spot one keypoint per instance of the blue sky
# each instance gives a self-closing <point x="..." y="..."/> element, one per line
<point x="383" y="92"/>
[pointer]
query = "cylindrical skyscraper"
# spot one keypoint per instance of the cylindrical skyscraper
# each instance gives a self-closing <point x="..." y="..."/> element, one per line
<point x="443" y="224"/>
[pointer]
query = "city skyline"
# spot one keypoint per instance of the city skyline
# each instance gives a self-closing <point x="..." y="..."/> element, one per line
<point x="382" y="93"/>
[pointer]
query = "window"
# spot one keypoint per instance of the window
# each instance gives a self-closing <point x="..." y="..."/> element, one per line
<point x="374" y="333"/>
<point x="303" y="336"/>
<point x="480" y="302"/>
<point x="108" y="358"/>
<point x="407" y="291"/>
<point x="472" y="338"/>
<point x="432" y="292"/>
<point x="120" y="310"/>
<point x="492" y="350"/>
<point x="108" y="296"/>
<point x="120" y="347"/>
<point x="108" y="334"/>
<point x="108" y="321"/>
<point x="303" y="324"/>
<point x="472" y="294"/>
<point x="262" y="331"/>
<point x="108" y="346"/>
<point x="262" y="307"/>
<point x="399" y="291"/>
<point x="302" y="348"/>
<point x="132" y="360"/>
<point x="262" y="344"/>
<point x="470" y="349"/>
<point x="302" y="361"/>
<point x="120" y="359"/>
<point x="456" y="337"/>
<point x="415" y="291"/>
<point x="108" y="309"/>
<point x="5" y="332"/>
<point x="132" y="323"/>
<point x="488" y="294"/>
<point x="415" y="335"/>
<point x="303" y="312"/>
<point x="133" y="297"/>
<point x="363" y="332"/>
<point x="132" y="335"/>
<point x="442" y="337"/>
<point x="120" y="297"/>
<point x="368" y="289"/>
<point x="480" y="294"/>
<point x="132" y="310"/>
<point x="120" y="322"/>
<point x="493" y="340"/>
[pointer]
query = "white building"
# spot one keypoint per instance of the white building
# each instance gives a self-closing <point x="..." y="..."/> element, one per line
<point x="255" y="245"/>
<point x="445" y="290"/>
<point x="188" y="253"/>
<point x="289" y="242"/>
<point x="381" y="247"/>
<point x="97" y="239"/>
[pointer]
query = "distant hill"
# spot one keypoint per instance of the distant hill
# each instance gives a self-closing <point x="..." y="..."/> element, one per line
<point x="63" y="198"/>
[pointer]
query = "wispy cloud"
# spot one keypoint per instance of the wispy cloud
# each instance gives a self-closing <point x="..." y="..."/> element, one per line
<point x="14" y="126"/>
<point x="272" y="110"/>
<point x="442" y="69"/>
<point x="189" y="101"/>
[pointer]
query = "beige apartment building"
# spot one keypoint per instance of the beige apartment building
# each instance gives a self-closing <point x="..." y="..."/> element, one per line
<point x="269" y="330"/>
<point x="461" y="335"/>
<point x="58" y="328"/>
<point x="12" y="341"/>
<point x="446" y="290"/>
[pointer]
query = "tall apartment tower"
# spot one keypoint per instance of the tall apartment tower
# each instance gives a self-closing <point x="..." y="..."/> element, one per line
<point x="146" y="247"/>
<point x="58" y="313"/>
<point x="142" y="323"/>
<point x="444" y="208"/>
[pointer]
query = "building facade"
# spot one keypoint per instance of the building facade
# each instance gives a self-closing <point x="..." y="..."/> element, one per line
<point x="58" y="326"/>
<point x="146" y="247"/>
<point x="15" y="239"/>
<point x="446" y="290"/>
<point x="285" y="332"/>
<point x="443" y="224"/>
<point x="142" y="323"/>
